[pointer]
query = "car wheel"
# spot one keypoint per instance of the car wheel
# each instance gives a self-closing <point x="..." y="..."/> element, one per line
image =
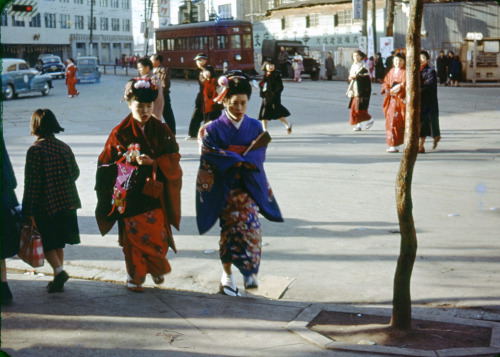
<point x="9" y="92"/>
<point x="46" y="89"/>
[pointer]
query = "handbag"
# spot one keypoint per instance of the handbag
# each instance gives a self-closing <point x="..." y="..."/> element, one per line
<point x="153" y="187"/>
<point x="31" y="250"/>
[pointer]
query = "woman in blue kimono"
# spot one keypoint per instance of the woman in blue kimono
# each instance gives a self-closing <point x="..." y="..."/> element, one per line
<point x="232" y="185"/>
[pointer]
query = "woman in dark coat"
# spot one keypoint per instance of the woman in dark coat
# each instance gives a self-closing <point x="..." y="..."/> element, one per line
<point x="379" y="68"/>
<point x="429" y="108"/>
<point x="271" y="87"/>
<point x="9" y="239"/>
<point x="50" y="193"/>
<point x="455" y="71"/>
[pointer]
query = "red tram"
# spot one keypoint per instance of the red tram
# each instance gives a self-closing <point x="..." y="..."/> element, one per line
<point x="227" y="43"/>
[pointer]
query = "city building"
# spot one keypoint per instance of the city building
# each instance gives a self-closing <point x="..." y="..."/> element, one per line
<point x="63" y="28"/>
<point x="205" y="10"/>
<point x="328" y="26"/>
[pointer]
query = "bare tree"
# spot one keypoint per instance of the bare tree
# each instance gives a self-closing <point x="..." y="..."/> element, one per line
<point x="401" y="303"/>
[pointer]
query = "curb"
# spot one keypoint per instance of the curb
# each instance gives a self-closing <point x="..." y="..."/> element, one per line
<point x="300" y="326"/>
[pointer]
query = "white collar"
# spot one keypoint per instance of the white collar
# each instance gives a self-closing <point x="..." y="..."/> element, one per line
<point x="236" y="124"/>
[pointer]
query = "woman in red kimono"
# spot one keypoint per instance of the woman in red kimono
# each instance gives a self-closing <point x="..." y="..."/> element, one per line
<point x="139" y="149"/>
<point x="394" y="106"/>
<point x="71" y="78"/>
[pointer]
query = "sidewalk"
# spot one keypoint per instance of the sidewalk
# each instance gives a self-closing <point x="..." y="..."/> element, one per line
<point x="100" y="319"/>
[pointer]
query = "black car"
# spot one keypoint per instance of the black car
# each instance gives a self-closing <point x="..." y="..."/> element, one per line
<point x="51" y="65"/>
<point x="271" y="49"/>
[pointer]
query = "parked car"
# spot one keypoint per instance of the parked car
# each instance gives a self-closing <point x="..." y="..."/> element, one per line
<point x="18" y="77"/>
<point x="271" y="49"/>
<point x="51" y="64"/>
<point x="87" y="70"/>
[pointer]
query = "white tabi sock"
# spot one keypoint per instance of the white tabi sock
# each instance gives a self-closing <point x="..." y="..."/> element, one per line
<point x="58" y="270"/>
<point x="228" y="280"/>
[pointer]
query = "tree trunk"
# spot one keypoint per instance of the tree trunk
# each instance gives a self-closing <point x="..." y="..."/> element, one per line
<point x="401" y="303"/>
<point x="389" y="23"/>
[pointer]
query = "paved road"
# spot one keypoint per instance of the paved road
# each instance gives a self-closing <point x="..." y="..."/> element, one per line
<point x="339" y="243"/>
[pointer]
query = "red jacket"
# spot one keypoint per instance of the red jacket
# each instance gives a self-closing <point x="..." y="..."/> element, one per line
<point x="209" y="93"/>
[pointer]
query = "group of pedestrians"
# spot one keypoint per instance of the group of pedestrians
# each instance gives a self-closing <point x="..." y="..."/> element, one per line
<point x="394" y="103"/>
<point x="449" y="69"/>
<point x="138" y="186"/>
<point x="208" y="101"/>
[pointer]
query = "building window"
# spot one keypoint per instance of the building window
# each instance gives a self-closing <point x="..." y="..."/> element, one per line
<point x="65" y="21"/>
<point x="104" y="24"/>
<point x="312" y="20"/>
<point x="104" y="3"/>
<point x="79" y="2"/>
<point x="36" y="21"/>
<point x="225" y="11"/>
<point x="17" y="23"/>
<point x="63" y="0"/>
<point x="126" y="4"/>
<point x="5" y="18"/>
<point x="50" y="21"/>
<point x="126" y="25"/>
<point x="114" y="3"/>
<point x="94" y="23"/>
<point x="115" y="24"/>
<point x="344" y="17"/>
<point x="78" y="22"/>
<point x="287" y="22"/>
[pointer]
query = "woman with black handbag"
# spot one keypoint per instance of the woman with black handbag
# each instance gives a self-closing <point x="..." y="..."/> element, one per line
<point x="140" y="150"/>
<point x="50" y="197"/>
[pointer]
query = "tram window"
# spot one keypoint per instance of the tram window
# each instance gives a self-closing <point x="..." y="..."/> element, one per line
<point x="235" y="41"/>
<point x="178" y="44"/>
<point x="204" y="43"/>
<point x="211" y="43"/>
<point x="159" y="45"/>
<point x="221" y="41"/>
<point x="170" y="44"/>
<point x="247" y="41"/>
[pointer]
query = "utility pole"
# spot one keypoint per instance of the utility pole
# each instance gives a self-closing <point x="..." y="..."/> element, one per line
<point x="364" y="32"/>
<point x="91" y="25"/>
<point x="148" y="6"/>
<point x="374" y="24"/>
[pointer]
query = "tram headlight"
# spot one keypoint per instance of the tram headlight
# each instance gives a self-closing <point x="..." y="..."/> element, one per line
<point x="237" y="57"/>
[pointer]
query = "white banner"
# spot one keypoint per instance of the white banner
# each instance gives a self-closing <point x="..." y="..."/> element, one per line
<point x="386" y="46"/>
<point x="371" y="46"/>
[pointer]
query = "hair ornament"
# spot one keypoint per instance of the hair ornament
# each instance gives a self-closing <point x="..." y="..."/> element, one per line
<point x="224" y="83"/>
